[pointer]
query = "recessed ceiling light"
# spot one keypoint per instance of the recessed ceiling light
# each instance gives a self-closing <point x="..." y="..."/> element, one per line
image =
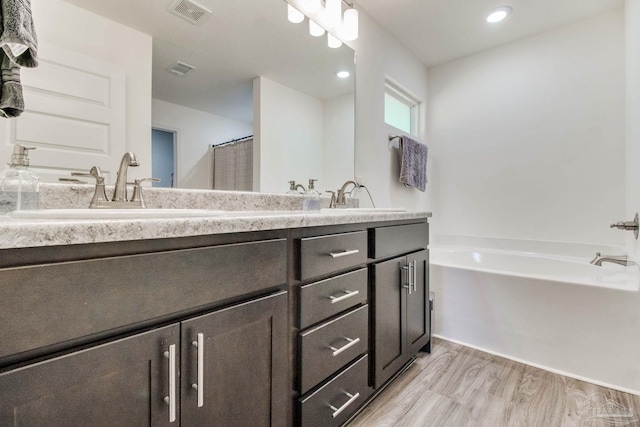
<point x="343" y="74"/>
<point x="498" y="14"/>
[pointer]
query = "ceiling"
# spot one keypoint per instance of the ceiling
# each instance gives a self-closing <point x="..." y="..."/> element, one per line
<point x="239" y="41"/>
<point x="244" y="39"/>
<point x="438" y="31"/>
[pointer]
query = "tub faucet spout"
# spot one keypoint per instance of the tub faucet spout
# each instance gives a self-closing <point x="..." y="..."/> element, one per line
<point x="615" y="259"/>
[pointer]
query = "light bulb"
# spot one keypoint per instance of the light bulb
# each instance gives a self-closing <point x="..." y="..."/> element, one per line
<point x="498" y="14"/>
<point x="350" y="27"/>
<point x="333" y="41"/>
<point x="315" y="29"/>
<point x="334" y="11"/>
<point x="343" y="74"/>
<point x="294" y="15"/>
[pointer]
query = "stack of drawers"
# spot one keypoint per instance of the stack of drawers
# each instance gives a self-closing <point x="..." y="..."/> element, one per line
<point x="334" y="328"/>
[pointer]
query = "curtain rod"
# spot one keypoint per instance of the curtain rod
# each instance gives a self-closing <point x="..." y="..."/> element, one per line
<point x="231" y="142"/>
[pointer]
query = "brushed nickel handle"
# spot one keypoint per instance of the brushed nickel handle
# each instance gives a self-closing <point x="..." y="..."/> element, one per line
<point x="348" y="294"/>
<point x="345" y="253"/>
<point x="415" y="275"/>
<point x="338" y="411"/>
<point x="351" y="342"/>
<point x="199" y="386"/>
<point x="171" y="399"/>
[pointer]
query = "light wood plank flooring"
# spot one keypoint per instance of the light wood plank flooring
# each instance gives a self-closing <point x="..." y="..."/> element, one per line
<point x="459" y="386"/>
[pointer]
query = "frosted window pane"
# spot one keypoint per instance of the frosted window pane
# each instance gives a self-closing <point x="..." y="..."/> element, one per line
<point x="397" y="113"/>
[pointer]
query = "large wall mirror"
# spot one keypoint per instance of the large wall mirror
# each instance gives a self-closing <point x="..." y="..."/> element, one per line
<point x="256" y="74"/>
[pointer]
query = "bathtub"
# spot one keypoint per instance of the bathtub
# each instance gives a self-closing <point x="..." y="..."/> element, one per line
<point x="540" y="303"/>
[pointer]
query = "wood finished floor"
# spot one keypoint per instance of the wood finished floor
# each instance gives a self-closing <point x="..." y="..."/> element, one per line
<point x="459" y="386"/>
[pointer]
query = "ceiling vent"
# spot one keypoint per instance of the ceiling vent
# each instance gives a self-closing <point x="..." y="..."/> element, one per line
<point x="190" y="10"/>
<point x="180" y="68"/>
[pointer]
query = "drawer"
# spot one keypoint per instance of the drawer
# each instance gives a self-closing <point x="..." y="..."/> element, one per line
<point x="326" y="298"/>
<point x="399" y="239"/>
<point x="336" y="401"/>
<point x="331" y="345"/>
<point x="326" y="254"/>
<point x="47" y="304"/>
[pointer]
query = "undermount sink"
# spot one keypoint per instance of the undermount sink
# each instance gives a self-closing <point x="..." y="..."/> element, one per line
<point x="113" y="213"/>
<point x="362" y="210"/>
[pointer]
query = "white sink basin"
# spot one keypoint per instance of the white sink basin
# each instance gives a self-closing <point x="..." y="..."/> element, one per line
<point x="362" y="210"/>
<point x="113" y="213"/>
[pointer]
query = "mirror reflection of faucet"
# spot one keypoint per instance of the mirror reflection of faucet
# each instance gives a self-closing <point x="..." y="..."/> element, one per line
<point x="294" y="188"/>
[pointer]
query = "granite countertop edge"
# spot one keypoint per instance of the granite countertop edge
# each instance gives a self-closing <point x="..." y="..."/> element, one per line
<point x="24" y="233"/>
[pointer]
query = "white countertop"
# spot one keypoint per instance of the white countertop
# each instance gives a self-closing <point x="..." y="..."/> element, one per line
<point x="22" y="233"/>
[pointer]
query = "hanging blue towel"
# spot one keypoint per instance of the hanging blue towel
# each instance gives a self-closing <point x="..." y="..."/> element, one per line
<point x="413" y="168"/>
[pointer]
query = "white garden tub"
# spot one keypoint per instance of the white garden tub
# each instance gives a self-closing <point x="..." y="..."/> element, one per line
<point x="540" y="303"/>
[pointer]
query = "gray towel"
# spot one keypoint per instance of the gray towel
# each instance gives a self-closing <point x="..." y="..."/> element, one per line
<point x="19" y="48"/>
<point x="413" y="168"/>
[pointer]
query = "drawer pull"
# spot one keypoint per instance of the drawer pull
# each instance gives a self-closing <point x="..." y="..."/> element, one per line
<point x="199" y="386"/>
<point x="338" y="411"/>
<point x="347" y="294"/>
<point x="351" y="342"/>
<point x="415" y="275"/>
<point x="345" y="253"/>
<point x="171" y="399"/>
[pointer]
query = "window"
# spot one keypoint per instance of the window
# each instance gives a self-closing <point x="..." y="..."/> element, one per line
<point x="400" y="108"/>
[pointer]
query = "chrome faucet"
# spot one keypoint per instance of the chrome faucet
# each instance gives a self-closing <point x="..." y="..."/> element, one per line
<point x="120" y="192"/>
<point x="628" y="225"/>
<point x="340" y="197"/>
<point x="615" y="259"/>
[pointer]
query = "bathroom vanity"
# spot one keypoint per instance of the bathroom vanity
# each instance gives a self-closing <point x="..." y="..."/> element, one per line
<point x="267" y="318"/>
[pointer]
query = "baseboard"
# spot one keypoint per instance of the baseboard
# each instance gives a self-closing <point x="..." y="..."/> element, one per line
<point x="545" y="368"/>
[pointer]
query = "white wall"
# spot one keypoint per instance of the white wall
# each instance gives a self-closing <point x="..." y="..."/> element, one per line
<point x="70" y="27"/>
<point x="196" y="130"/>
<point x="338" y="142"/>
<point x="528" y="138"/>
<point x="379" y="55"/>
<point x="288" y="131"/>
<point x="632" y="14"/>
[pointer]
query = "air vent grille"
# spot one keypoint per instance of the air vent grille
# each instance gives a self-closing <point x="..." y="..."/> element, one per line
<point x="189" y="10"/>
<point x="180" y="68"/>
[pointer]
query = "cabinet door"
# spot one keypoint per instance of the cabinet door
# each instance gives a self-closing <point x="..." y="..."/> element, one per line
<point x="418" y="303"/>
<point x="235" y="365"/>
<point x="389" y="313"/>
<point x="121" y="383"/>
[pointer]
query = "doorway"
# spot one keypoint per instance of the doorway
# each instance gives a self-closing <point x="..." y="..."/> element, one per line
<point x="163" y="157"/>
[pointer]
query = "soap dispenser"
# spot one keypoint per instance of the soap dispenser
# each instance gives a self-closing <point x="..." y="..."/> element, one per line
<point x="18" y="185"/>
<point x="311" y="201"/>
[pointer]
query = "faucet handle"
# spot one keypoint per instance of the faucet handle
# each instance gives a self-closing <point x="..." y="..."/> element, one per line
<point x="332" y="203"/>
<point x="95" y="173"/>
<point x="137" y="190"/>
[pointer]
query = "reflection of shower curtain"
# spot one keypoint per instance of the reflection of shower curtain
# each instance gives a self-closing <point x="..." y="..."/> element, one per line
<point x="233" y="166"/>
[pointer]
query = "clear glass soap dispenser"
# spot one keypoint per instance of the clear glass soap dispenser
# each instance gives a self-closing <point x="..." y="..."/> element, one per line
<point x="19" y="186"/>
<point x="311" y="201"/>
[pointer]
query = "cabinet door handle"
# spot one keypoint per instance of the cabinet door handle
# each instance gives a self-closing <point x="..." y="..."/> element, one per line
<point x="347" y="294"/>
<point x="199" y="386"/>
<point x="338" y="411"/>
<point x="171" y="399"/>
<point x="415" y="275"/>
<point x="351" y="342"/>
<point x="410" y="270"/>
<point x="345" y="253"/>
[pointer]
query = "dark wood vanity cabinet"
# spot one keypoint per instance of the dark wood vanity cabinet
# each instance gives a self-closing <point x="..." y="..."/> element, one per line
<point x="400" y="289"/>
<point x="214" y="353"/>
<point x="294" y="327"/>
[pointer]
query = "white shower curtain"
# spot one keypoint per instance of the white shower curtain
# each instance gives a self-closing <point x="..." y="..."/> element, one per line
<point x="233" y="166"/>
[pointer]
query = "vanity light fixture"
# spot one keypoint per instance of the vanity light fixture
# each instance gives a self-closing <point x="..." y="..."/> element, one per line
<point x="343" y="74"/>
<point x="330" y="19"/>
<point x="315" y="30"/>
<point x="294" y="15"/>
<point x="497" y="15"/>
